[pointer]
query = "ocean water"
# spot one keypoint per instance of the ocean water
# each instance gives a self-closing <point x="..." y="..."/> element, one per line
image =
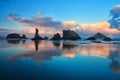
<point x="59" y="60"/>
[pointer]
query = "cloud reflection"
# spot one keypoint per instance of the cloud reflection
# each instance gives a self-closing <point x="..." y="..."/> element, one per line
<point x="46" y="50"/>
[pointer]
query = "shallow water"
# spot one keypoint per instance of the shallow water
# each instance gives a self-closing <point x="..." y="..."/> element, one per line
<point x="58" y="60"/>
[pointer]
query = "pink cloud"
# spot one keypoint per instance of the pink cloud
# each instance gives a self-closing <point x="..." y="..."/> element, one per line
<point x="48" y="26"/>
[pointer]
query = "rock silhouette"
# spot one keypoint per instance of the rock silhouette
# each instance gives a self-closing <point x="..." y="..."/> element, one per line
<point x="23" y="37"/>
<point x="99" y="36"/>
<point x="37" y="37"/>
<point x="45" y="38"/>
<point x="56" y="37"/>
<point x="13" y="36"/>
<point x="70" y="35"/>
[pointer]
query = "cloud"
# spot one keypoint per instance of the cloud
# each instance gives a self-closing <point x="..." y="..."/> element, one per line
<point x="43" y="31"/>
<point x="73" y="25"/>
<point x="86" y="30"/>
<point x="29" y="31"/>
<point x="115" y="21"/>
<point x="114" y="24"/>
<point x="70" y="23"/>
<point x="4" y="32"/>
<point x="37" y="21"/>
<point x="102" y="27"/>
<point x="115" y="12"/>
<point x="47" y="26"/>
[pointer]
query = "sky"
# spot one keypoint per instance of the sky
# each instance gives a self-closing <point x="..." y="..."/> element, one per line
<point x="86" y="17"/>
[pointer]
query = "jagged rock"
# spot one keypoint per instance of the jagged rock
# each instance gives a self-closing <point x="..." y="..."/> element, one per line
<point x="45" y="38"/>
<point x="36" y="36"/>
<point x="23" y="36"/>
<point x="56" y="37"/>
<point x="70" y="35"/>
<point x="13" y="36"/>
<point x="100" y="37"/>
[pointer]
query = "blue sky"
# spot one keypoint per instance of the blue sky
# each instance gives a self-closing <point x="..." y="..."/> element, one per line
<point x="81" y="11"/>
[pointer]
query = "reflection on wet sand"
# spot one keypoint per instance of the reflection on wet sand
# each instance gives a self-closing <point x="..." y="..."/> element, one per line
<point x="69" y="45"/>
<point x="97" y="49"/>
<point x="36" y="42"/>
<point x="114" y="56"/>
<point x="46" y="50"/>
<point x="24" y="41"/>
<point x="10" y="41"/>
<point x="39" y="54"/>
<point x="56" y="43"/>
<point x="13" y="41"/>
<point x="115" y="66"/>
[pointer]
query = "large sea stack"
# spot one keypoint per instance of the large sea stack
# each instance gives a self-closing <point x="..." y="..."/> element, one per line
<point x="99" y="36"/>
<point x="36" y="36"/>
<point x="70" y="35"/>
<point x="13" y="36"/>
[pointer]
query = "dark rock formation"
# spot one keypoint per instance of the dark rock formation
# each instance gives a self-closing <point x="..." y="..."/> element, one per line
<point x="70" y="35"/>
<point x="100" y="37"/>
<point x="23" y="36"/>
<point x="13" y="36"/>
<point x="45" y="38"/>
<point x="56" y="37"/>
<point x="36" y="36"/>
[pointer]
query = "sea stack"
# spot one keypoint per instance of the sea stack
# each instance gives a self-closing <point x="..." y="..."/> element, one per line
<point x="70" y="35"/>
<point x="99" y="36"/>
<point x="23" y="36"/>
<point x="36" y="36"/>
<point x="56" y="37"/>
<point x="13" y="36"/>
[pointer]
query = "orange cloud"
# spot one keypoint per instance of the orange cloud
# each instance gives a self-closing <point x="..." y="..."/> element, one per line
<point x="69" y="23"/>
<point x="69" y="53"/>
<point x="102" y="27"/>
<point x="42" y="31"/>
<point x="49" y="26"/>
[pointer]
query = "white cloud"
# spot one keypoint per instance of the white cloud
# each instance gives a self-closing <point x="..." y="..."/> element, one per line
<point x="115" y="21"/>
